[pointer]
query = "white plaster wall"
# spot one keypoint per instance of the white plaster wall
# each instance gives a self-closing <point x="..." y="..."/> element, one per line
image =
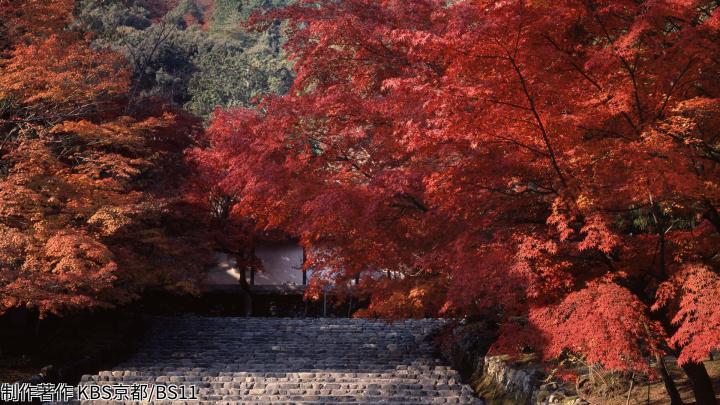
<point x="282" y="264"/>
<point x="225" y="272"/>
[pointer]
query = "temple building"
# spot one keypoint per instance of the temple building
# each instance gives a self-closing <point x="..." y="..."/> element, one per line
<point x="282" y="269"/>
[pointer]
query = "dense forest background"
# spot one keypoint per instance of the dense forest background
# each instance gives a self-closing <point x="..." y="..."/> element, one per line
<point x="194" y="54"/>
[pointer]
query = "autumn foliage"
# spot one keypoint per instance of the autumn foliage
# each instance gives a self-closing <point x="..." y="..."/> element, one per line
<point x="550" y="164"/>
<point x="87" y="212"/>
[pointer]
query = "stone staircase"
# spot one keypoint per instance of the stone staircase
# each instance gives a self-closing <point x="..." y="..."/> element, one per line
<point x="282" y="360"/>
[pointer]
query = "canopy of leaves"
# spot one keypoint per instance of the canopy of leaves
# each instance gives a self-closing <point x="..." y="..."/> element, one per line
<point x="88" y="209"/>
<point x="552" y="165"/>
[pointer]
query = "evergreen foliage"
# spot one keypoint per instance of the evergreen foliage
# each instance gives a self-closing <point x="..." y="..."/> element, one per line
<point x="192" y="53"/>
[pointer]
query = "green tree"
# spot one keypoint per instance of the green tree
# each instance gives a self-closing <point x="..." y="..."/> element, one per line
<point x="192" y="53"/>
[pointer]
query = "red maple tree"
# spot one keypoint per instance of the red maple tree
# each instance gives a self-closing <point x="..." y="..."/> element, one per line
<point x="88" y="212"/>
<point x="555" y="163"/>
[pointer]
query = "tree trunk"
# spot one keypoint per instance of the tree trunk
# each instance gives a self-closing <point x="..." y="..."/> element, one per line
<point x="701" y="384"/>
<point x="245" y="289"/>
<point x="670" y="386"/>
<point x="668" y="381"/>
<point x="247" y="304"/>
<point x="711" y="214"/>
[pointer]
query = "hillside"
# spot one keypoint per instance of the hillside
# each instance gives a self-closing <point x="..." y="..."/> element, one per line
<point x="192" y="53"/>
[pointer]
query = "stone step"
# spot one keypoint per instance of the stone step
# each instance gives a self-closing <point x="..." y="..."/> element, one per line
<point x="231" y="400"/>
<point x="305" y="361"/>
<point x="232" y="377"/>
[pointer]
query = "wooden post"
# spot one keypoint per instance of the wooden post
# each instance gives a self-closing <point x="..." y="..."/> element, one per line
<point x="245" y="289"/>
<point x="350" y="303"/>
<point x="325" y="291"/>
<point x="303" y="265"/>
<point x="324" y="303"/>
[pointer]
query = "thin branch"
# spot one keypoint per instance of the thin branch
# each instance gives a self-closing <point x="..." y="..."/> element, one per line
<point x="541" y="126"/>
<point x="674" y="85"/>
<point x="630" y="70"/>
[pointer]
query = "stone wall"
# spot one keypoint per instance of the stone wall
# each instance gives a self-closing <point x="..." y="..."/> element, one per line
<point x="497" y="379"/>
<point x="502" y="381"/>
